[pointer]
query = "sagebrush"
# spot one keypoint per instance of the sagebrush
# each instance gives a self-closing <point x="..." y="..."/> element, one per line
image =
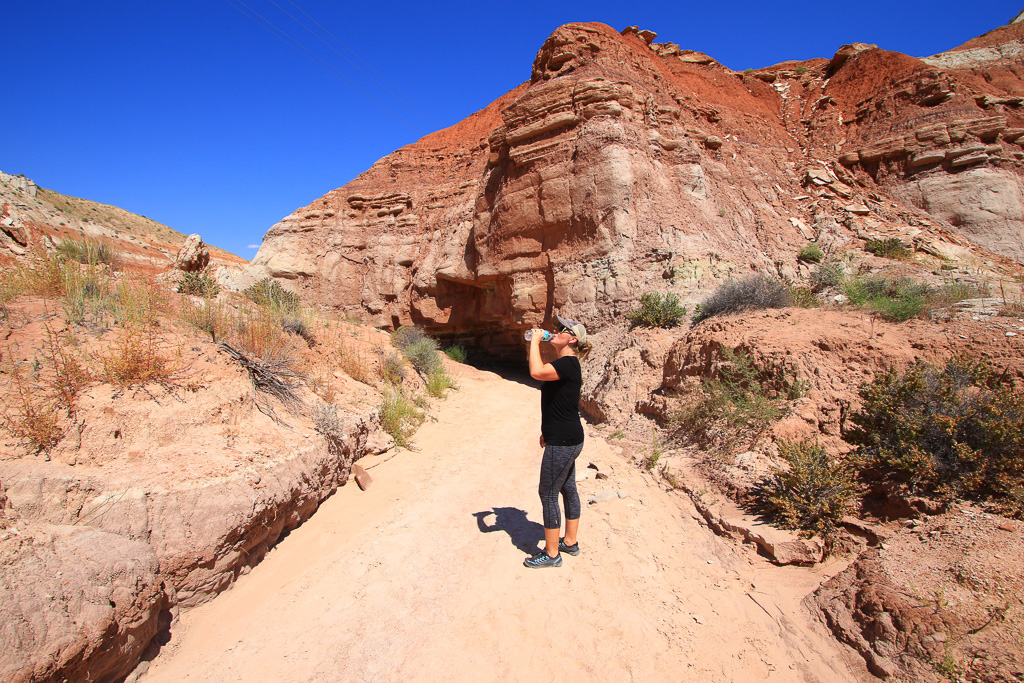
<point x="754" y="292"/>
<point x="952" y="431"/>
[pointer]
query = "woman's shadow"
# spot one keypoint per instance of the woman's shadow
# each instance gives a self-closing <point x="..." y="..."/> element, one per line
<point x="525" y="535"/>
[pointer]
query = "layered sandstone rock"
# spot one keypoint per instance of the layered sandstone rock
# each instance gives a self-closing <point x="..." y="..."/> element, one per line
<point x="626" y="166"/>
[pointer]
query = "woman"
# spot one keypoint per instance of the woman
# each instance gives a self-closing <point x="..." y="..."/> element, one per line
<point x="561" y="437"/>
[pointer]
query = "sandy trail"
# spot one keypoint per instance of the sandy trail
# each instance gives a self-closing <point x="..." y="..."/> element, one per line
<point x="421" y="578"/>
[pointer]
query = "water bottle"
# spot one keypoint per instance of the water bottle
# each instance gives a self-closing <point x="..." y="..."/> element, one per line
<point x="544" y="335"/>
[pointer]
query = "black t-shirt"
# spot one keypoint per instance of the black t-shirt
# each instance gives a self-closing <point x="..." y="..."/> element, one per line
<point x="559" y="404"/>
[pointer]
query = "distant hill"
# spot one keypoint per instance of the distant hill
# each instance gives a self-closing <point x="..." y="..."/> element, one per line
<point x="29" y="214"/>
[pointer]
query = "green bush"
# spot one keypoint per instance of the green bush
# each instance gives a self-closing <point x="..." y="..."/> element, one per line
<point x="811" y="494"/>
<point x="399" y="416"/>
<point x="900" y="299"/>
<point x="890" y="247"/>
<point x="439" y="382"/>
<point x="423" y="356"/>
<point x="952" y="431"/>
<point x="738" y="405"/>
<point x="269" y="292"/>
<point x="754" y="292"/>
<point x="418" y="348"/>
<point x="812" y="253"/>
<point x="657" y="311"/>
<point x="198" y="284"/>
<point x="457" y="353"/>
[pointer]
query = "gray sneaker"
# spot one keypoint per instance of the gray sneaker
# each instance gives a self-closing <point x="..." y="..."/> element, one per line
<point x="573" y="549"/>
<point x="542" y="559"/>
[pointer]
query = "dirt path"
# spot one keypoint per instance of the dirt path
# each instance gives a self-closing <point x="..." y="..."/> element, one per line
<point x="421" y="578"/>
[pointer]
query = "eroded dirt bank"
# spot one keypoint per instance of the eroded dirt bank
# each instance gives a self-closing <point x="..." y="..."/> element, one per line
<point x="420" y="578"/>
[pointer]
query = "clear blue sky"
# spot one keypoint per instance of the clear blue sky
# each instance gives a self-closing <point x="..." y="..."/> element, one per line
<point x="201" y="116"/>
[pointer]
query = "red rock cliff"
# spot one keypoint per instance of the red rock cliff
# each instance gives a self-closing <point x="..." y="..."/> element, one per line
<point x="626" y="166"/>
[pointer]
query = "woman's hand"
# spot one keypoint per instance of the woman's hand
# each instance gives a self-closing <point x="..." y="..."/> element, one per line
<point x="542" y="444"/>
<point x="535" y="335"/>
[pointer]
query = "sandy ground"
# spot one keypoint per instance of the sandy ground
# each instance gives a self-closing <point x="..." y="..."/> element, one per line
<point x="421" y="578"/>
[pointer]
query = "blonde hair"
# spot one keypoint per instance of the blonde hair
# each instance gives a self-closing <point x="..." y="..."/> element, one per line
<point x="582" y="349"/>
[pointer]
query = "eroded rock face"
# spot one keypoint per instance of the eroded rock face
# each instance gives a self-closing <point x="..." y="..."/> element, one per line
<point x="626" y="166"/>
<point x="933" y="597"/>
<point x="76" y="603"/>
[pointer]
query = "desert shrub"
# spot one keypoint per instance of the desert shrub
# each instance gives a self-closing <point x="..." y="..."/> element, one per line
<point x="45" y="274"/>
<point x="439" y="382"/>
<point x="272" y="375"/>
<point x="406" y="336"/>
<point x="355" y="364"/>
<point x="30" y="410"/>
<point x="738" y="405"/>
<point x="812" y="253"/>
<point x="399" y="416"/>
<point x="393" y="369"/>
<point x="650" y="460"/>
<point x="423" y="356"/>
<point x="657" y="311"/>
<point x="754" y="292"/>
<point x="456" y="352"/>
<point x="826" y="275"/>
<point x="138" y="356"/>
<point x="1012" y="309"/>
<point x="951" y="431"/>
<point x="418" y="348"/>
<point x="952" y="292"/>
<point x="8" y="290"/>
<point x="326" y="420"/>
<point x="890" y="247"/>
<point x="900" y="299"/>
<point x="67" y="374"/>
<point x="30" y="415"/>
<point x="198" y="284"/>
<point x="803" y="297"/>
<point x="269" y="292"/>
<point x="82" y="293"/>
<point x="88" y="251"/>
<point x="812" y="493"/>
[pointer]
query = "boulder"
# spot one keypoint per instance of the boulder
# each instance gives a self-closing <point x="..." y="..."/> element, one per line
<point x="193" y="256"/>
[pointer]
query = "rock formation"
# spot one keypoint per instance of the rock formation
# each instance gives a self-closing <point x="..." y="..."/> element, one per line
<point x="193" y="256"/>
<point x="625" y="166"/>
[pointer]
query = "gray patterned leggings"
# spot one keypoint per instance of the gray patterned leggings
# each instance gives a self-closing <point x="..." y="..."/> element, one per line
<point x="558" y="475"/>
